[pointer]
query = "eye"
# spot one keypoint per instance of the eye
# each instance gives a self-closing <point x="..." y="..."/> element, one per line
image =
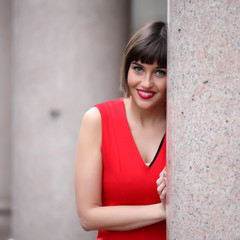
<point x="161" y="73"/>
<point x="137" y="69"/>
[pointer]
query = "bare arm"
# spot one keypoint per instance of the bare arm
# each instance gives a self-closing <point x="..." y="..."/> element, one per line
<point x="88" y="186"/>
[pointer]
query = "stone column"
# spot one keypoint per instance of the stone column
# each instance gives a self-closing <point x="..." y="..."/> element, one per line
<point x="66" y="58"/>
<point x="5" y="117"/>
<point x="203" y="120"/>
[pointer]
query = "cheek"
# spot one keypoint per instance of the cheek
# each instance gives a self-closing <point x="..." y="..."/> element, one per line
<point x="163" y="84"/>
<point x="131" y="79"/>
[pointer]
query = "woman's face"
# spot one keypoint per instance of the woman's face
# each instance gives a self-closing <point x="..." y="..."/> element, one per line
<point x="147" y="84"/>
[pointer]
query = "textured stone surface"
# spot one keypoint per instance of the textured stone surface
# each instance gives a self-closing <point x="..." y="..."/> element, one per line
<point x="203" y="120"/>
<point x="66" y="58"/>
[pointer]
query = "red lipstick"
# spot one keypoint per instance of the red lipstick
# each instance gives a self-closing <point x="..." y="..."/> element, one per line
<point x="144" y="94"/>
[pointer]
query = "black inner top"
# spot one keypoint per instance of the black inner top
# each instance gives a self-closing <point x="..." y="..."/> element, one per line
<point x="159" y="148"/>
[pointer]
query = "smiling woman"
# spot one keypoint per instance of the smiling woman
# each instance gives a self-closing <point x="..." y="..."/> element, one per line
<point x="122" y="148"/>
<point x="148" y="81"/>
<point x="148" y="45"/>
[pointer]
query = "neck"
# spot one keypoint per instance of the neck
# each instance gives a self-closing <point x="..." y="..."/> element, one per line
<point x="145" y="117"/>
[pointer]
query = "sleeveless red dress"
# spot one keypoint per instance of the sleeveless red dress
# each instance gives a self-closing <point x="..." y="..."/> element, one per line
<point x="127" y="180"/>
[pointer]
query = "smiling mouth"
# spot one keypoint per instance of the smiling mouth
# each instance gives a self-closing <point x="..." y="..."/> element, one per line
<point x="145" y="94"/>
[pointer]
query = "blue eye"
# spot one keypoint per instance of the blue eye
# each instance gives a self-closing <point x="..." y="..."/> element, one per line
<point x="137" y="69"/>
<point x="161" y="73"/>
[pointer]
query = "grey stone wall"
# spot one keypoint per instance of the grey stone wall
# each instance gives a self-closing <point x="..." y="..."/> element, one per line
<point x="5" y="117"/>
<point x="203" y="120"/>
<point x="66" y="58"/>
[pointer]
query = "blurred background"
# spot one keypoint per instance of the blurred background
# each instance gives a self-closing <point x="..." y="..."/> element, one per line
<point x="58" y="58"/>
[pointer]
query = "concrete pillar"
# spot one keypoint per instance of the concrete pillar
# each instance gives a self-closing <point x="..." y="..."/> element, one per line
<point x="67" y="57"/>
<point x="203" y="120"/>
<point x="5" y="117"/>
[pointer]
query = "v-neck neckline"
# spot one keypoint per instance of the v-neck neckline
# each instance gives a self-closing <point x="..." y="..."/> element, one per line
<point x="134" y="143"/>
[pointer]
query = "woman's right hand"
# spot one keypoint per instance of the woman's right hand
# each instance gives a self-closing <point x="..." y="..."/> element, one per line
<point x="161" y="187"/>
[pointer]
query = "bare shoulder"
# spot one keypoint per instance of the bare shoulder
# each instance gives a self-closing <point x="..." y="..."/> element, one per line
<point x="91" y="129"/>
<point x="92" y="114"/>
<point x="92" y="118"/>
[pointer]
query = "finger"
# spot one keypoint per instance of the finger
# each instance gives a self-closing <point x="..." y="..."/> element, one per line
<point x="160" y="180"/>
<point x="164" y="191"/>
<point x="163" y="194"/>
<point x="163" y="172"/>
<point x="165" y="179"/>
<point x="160" y="188"/>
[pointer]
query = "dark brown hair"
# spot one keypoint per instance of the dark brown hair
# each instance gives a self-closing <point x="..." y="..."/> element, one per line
<point x="148" y="44"/>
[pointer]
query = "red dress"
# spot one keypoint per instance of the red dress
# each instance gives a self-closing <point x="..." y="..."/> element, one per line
<point x="127" y="180"/>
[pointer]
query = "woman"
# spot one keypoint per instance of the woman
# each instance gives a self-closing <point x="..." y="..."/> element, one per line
<point x="122" y="148"/>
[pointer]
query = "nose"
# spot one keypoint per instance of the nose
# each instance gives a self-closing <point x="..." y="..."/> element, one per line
<point x="147" y="82"/>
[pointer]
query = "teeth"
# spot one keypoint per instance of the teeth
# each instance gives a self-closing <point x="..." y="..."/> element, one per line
<point x="146" y="94"/>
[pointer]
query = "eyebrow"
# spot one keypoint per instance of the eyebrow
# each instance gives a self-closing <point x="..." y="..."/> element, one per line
<point x="138" y="64"/>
